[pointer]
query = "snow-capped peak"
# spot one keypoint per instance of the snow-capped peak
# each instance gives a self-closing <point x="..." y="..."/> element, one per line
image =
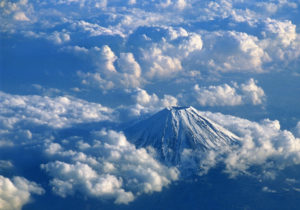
<point x="174" y="130"/>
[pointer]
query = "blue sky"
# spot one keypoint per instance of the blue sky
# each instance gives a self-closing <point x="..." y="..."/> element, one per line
<point x="73" y="73"/>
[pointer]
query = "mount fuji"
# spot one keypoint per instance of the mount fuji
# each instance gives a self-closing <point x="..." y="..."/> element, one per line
<point x="174" y="131"/>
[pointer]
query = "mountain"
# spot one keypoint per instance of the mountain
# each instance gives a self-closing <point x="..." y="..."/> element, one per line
<point x="175" y="130"/>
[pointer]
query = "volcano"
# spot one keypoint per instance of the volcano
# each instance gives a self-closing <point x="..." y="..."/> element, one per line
<point x="174" y="130"/>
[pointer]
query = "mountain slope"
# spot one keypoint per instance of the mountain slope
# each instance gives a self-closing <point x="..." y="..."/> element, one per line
<point x="177" y="129"/>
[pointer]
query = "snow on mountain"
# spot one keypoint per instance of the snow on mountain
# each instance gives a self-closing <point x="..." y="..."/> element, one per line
<point x="175" y="130"/>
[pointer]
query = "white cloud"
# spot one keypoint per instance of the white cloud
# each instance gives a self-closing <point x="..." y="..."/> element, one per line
<point x="16" y="192"/>
<point x="128" y="64"/>
<point x="263" y="144"/>
<point x="233" y="51"/>
<point x="59" y="37"/>
<point x="58" y="112"/>
<point x="110" y="167"/>
<point x="20" y="16"/>
<point x="147" y="103"/>
<point x="281" y="40"/>
<point x="160" y="65"/>
<point x="191" y="44"/>
<point x="163" y="59"/>
<point x="223" y="95"/>
<point x="252" y="93"/>
<point x="110" y="71"/>
<point x="95" y="29"/>
<point x="226" y="95"/>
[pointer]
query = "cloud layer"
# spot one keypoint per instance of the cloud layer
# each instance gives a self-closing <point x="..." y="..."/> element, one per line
<point x="109" y="167"/>
<point x="136" y="58"/>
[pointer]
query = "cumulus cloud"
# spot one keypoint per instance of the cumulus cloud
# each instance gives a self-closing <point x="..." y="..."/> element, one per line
<point x="106" y="167"/>
<point x="16" y="192"/>
<point x="217" y="95"/>
<point x="263" y="144"/>
<point x="284" y="32"/>
<point x="110" y="71"/>
<point x="226" y="95"/>
<point x="149" y="103"/>
<point x="280" y="40"/>
<point x="252" y="93"/>
<point x="160" y="65"/>
<point x="58" y="112"/>
<point x="164" y="58"/>
<point x="233" y="51"/>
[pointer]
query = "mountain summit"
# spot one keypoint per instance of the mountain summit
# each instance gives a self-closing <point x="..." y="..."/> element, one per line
<point x="174" y="130"/>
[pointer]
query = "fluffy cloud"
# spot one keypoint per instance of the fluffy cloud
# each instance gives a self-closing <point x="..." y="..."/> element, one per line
<point x="252" y="93"/>
<point x="226" y="95"/>
<point x="284" y="32"/>
<point x="263" y="144"/>
<point x="146" y="103"/>
<point x="281" y="40"/>
<point x="107" y="167"/>
<point x="233" y="51"/>
<point x="160" y="65"/>
<point x="16" y="192"/>
<point x="56" y="112"/>
<point x="110" y="71"/>
<point x="223" y="95"/>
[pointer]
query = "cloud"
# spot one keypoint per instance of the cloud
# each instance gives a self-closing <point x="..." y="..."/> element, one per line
<point x="252" y="93"/>
<point x="107" y="167"/>
<point x="226" y="95"/>
<point x="58" y="112"/>
<point x="96" y="30"/>
<point x="297" y="130"/>
<point x="57" y="37"/>
<point x="110" y="72"/>
<point x="20" y="16"/>
<point x="160" y="65"/>
<point x="99" y="4"/>
<point x="18" y="9"/>
<point x="228" y="51"/>
<point x="263" y="144"/>
<point x="16" y="192"/>
<point x="223" y="95"/>
<point x="146" y="103"/>
<point x="280" y="40"/>
<point x="163" y="59"/>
